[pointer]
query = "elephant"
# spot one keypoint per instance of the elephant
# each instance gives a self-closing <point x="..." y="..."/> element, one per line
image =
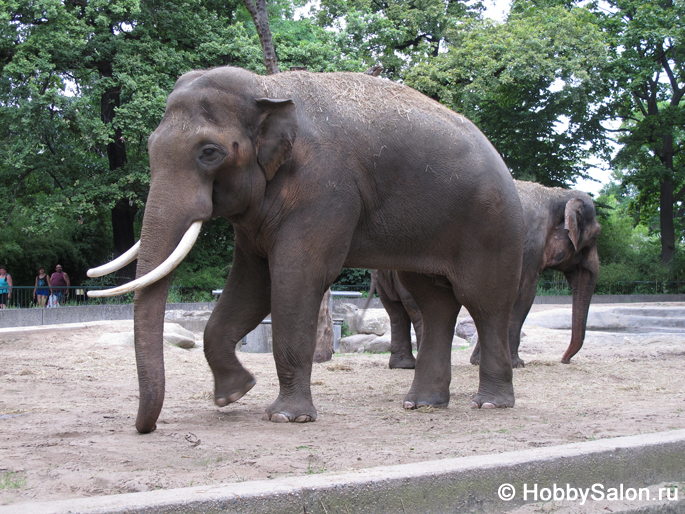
<point x="317" y="171"/>
<point x="403" y="313"/>
<point x="561" y="231"/>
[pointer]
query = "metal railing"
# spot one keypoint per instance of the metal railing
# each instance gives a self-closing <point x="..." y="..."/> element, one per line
<point x="71" y="296"/>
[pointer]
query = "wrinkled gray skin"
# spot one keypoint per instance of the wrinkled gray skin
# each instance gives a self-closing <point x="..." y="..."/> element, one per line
<point x="561" y="232"/>
<point x="317" y="172"/>
<point x="403" y="313"/>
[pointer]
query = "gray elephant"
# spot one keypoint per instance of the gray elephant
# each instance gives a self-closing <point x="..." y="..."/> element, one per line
<point x="317" y="172"/>
<point x="403" y="313"/>
<point x="561" y="232"/>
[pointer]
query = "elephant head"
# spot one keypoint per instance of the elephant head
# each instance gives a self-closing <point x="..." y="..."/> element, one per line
<point x="217" y="146"/>
<point x="581" y="224"/>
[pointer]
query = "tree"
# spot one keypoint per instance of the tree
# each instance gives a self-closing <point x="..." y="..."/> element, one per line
<point x="397" y="33"/>
<point x="647" y="78"/>
<point x="257" y="10"/>
<point x="84" y="83"/>
<point x="532" y="85"/>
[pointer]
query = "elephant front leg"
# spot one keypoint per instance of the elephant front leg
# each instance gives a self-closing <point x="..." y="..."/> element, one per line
<point x="241" y="307"/>
<point x="297" y="287"/>
<point x="294" y="318"/>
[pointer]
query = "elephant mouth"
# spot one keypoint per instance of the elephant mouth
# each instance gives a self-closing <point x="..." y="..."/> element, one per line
<point x="184" y="246"/>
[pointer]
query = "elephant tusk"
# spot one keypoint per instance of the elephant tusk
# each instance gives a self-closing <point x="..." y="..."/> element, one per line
<point x="160" y="271"/>
<point x="118" y="263"/>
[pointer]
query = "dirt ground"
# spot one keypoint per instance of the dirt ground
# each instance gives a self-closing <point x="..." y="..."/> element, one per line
<point x="68" y="406"/>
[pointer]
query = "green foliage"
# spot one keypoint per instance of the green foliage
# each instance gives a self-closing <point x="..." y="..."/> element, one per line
<point x="629" y="256"/>
<point x="531" y="85"/>
<point x="646" y="77"/>
<point x="398" y="34"/>
<point x="353" y="279"/>
<point x="207" y="265"/>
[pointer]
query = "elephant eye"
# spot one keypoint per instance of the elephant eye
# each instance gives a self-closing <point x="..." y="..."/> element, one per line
<point x="210" y="155"/>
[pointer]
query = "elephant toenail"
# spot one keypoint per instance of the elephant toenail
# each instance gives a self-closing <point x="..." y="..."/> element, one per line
<point x="266" y="417"/>
<point x="221" y="401"/>
<point x="408" y="405"/>
<point x="474" y="405"/>
<point x="488" y="405"/>
<point x="304" y="418"/>
<point x="279" y="417"/>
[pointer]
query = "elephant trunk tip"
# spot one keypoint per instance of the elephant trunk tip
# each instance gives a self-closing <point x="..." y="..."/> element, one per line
<point x="145" y="426"/>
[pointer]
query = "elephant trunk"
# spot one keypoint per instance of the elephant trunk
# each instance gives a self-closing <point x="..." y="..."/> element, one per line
<point x="582" y="280"/>
<point x="148" y="326"/>
<point x="159" y="236"/>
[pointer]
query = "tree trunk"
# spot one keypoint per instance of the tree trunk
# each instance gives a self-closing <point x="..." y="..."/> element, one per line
<point x="324" y="331"/>
<point x="123" y="216"/>
<point x="123" y="213"/>
<point x="666" y="204"/>
<point x="261" y="21"/>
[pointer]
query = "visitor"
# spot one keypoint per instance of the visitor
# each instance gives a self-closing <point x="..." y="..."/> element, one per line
<point x="40" y="288"/>
<point x="5" y="287"/>
<point x="60" y="284"/>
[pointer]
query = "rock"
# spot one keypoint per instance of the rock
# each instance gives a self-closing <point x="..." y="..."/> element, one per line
<point x="458" y="342"/>
<point x="117" y="339"/>
<point x="176" y="335"/>
<point x="195" y="321"/>
<point x="380" y="344"/>
<point x="324" y="331"/>
<point x="348" y="312"/>
<point x="352" y="344"/>
<point x="373" y="321"/>
<point x="465" y="328"/>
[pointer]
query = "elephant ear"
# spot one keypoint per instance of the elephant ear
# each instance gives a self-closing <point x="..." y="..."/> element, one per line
<point x="573" y="220"/>
<point x="276" y="135"/>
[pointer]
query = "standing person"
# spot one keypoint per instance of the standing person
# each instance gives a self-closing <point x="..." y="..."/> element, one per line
<point x="40" y="289"/>
<point x="5" y="287"/>
<point x="59" y="280"/>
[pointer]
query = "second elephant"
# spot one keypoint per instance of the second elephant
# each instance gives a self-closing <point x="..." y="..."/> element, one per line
<point x="561" y="233"/>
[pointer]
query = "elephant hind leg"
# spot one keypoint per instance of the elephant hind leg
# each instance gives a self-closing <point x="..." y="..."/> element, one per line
<point x="439" y="309"/>
<point x="490" y="308"/>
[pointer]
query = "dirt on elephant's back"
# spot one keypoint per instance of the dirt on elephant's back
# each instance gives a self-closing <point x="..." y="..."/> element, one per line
<point x="69" y="401"/>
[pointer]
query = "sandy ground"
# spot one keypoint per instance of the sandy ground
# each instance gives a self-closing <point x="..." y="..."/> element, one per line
<point x="68" y="405"/>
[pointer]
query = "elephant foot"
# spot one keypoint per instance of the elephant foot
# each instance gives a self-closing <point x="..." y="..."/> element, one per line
<point x="402" y="362"/>
<point x="517" y="362"/>
<point x="435" y="399"/>
<point x="475" y="357"/>
<point x="504" y="399"/>
<point x="233" y="387"/>
<point x="282" y="411"/>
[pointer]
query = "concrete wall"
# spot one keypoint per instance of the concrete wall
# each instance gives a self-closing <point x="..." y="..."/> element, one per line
<point x="31" y="317"/>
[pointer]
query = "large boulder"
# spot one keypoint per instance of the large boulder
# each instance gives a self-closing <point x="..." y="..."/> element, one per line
<point x="459" y="342"/>
<point x="176" y="335"/>
<point x="324" y="331"/>
<point x="352" y="344"/>
<point x="373" y="321"/>
<point x="380" y="344"/>
<point x="116" y="339"/>
<point x="465" y="328"/>
<point x="348" y="312"/>
<point x="194" y="321"/>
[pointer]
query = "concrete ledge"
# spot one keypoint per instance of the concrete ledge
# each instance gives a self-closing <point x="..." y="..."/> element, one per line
<point x="467" y="484"/>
